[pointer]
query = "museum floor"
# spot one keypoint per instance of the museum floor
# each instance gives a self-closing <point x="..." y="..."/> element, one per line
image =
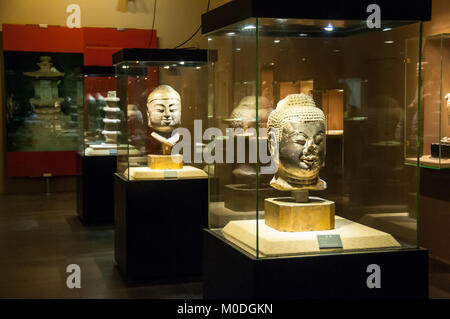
<point x="40" y="235"/>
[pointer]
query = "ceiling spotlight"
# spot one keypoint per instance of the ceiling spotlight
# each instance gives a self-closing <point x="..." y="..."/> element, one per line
<point x="166" y="67"/>
<point x="387" y="29"/>
<point x="276" y="41"/>
<point x="303" y="34"/>
<point x="249" y="27"/>
<point x="230" y="33"/>
<point x="209" y="39"/>
<point x="182" y="62"/>
<point x="238" y="49"/>
<point x="389" y="42"/>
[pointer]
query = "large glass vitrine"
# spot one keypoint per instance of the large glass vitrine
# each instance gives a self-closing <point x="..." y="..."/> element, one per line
<point x="161" y="184"/>
<point x="43" y="91"/>
<point x="432" y="125"/>
<point x="100" y="115"/>
<point x="163" y="92"/>
<point x="308" y="99"/>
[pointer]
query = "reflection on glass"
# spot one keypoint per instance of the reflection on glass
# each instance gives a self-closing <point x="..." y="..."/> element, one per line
<point x="42" y="101"/>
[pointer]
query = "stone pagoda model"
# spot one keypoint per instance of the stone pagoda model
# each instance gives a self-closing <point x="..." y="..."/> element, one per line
<point x="111" y="129"/>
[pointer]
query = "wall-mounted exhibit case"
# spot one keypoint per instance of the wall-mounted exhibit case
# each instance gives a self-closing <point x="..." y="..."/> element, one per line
<point x="98" y="129"/>
<point x="53" y="152"/>
<point x="43" y="91"/>
<point x="289" y="78"/>
<point x="433" y="122"/>
<point x="158" y="221"/>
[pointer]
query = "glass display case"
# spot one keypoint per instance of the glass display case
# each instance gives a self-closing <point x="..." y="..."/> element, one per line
<point x="288" y="79"/>
<point x="433" y="122"/>
<point x="164" y="94"/>
<point x="161" y="184"/>
<point x="98" y="129"/>
<point x="43" y="91"/>
<point x="100" y="115"/>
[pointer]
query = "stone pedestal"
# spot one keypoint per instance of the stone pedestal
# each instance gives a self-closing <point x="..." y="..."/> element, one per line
<point x="287" y="215"/>
<point x="445" y="150"/>
<point x="165" y="161"/>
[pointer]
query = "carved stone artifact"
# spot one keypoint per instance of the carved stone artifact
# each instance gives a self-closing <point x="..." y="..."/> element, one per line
<point x="111" y="129"/>
<point x="164" y="115"/>
<point x="46" y="98"/>
<point x="297" y="142"/>
<point x="164" y="109"/>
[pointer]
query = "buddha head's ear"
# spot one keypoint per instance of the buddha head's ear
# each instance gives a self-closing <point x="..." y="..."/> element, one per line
<point x="273" y="141"/>
<point x="149" y="122"/>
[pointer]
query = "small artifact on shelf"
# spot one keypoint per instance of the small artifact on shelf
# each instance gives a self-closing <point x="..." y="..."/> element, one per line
<point x="297" y="136"/>
<point x="111" y="121"/>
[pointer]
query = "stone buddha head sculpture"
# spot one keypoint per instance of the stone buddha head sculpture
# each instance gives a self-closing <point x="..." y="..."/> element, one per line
<point x="164" y="109"/>
<point x="297" y="132"/>
<point x="244" y="115"/>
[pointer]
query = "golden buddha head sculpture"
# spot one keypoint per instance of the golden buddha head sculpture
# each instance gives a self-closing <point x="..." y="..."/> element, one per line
<point x="164" y="109"/>
<point x="297" y="134"/>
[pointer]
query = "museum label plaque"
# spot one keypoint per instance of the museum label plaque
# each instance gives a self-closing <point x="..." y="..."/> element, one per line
<point x="329" y="241"/>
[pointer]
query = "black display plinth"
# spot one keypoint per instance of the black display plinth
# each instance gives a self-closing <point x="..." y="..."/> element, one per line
<point x="229" y="272"/>
<point x="158" y="232"/>
<point x="95" y="188"/>
<point x="445" y="150"/>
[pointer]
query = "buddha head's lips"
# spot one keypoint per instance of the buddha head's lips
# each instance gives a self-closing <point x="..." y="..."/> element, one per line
<point x="309" y="160"/>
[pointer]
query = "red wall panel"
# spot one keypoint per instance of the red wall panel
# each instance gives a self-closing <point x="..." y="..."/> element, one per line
<point x="56" y="163"/>
<point x="128" y="38"/>
<point x="97" y="45"/>
<point x="36" y="39"/>
<point x="99" y="56"/>
<point x="101" y="43"/>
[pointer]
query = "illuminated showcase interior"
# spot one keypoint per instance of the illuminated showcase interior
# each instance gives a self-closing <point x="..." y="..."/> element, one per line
<point x="330" y="61"/>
